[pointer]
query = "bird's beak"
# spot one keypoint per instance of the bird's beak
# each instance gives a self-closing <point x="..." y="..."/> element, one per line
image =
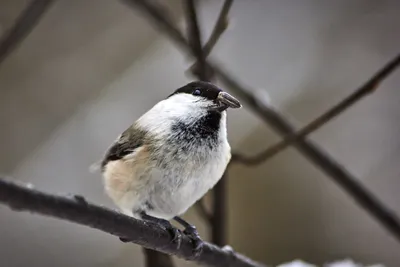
<point x="228" y="100"/>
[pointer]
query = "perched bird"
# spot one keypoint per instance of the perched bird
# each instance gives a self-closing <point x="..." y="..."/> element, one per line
<point x="170" y="157"/>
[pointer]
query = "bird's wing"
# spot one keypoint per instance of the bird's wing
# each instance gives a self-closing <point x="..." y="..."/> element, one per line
<point x="126" y="144"/>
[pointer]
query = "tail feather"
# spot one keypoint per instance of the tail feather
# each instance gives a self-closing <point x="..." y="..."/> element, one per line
<point x="95" y="167"/>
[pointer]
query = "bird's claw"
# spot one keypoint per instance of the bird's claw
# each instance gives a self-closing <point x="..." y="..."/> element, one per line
<point x="175" y="233"/>
<point x="124" y="240"/>
<point x="193" y="235"/>
<point x="176" y="236"/>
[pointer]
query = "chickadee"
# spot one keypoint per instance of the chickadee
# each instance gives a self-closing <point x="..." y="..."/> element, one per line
<point x="170" y="157"/>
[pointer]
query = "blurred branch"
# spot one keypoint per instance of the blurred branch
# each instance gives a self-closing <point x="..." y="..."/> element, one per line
<point x="157" y="259"/>
<point x="201" y="209"/>
<point x="157" y="15"/>
<point x="219" y="215"/>
<point x="154" y="258"/>
<point x="220" y="26"/>
<point x="146" y="234"/>
<point x="23" y="26"/>
<point x="194" y="37"/>
<point x="360" y="93"/>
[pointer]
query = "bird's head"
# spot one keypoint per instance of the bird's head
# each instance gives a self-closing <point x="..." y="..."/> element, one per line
<point x="195" y="102"/>
<point x="204" y="95"/>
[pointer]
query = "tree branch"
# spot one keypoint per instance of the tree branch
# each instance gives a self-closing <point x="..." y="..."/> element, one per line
<point x="146" y="234"/>
<point x="327" y="164"/>
<point x="194" y="37"/>
<point x="201" y="209"/>
<point x="366" y="89"/>
<point x="220" y="26"/>
<point x="154" y="258"/>
<point x="219" y="217"/>
<point x="23" y="26"/>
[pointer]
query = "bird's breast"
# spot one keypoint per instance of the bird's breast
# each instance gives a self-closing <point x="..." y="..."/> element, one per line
<point x="188" y="177"/>
<point x="199" y="166"/>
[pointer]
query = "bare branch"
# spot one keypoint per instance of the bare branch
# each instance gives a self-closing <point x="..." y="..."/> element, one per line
<point x="194" y="37"/>
<point x="219" y="221"/>
<point x="220" y="26"/>
<point x="360" y="93"/>
<point x="328" y="165"/>
<point x="154" y="258"/>
<point x="201" y="209"/>
<point x="146" y="234"/>
<point x="157" y="259"/>
<point x="218" y="218"/>
<point x="24" y="25"/>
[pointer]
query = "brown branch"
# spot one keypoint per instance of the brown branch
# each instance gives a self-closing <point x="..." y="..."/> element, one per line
<point x="220" y="26"/>
<point x="194" y="37"/>
<point x="316" y="155"/>
<point x="328" y="165"/>
<point x="23" y="26"/>
<point x="366" y="89"/>
<point x="153" y="258"/>
<point x="146" y="234"/>
<point x="201" y="209"/>
<point x="157" y="259"/>
<point x="219" y="218"/>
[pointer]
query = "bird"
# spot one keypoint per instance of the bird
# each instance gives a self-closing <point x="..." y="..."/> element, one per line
<point x="170" y="157"/>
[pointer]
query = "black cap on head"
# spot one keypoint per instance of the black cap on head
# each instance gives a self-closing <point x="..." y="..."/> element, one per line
<point x="210" y="92"/>
<point x="200" y="88"/>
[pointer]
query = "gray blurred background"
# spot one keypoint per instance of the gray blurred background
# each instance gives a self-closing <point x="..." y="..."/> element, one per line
<point x="91" y="67"/>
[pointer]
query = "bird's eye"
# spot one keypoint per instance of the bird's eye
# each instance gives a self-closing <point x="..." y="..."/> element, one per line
<point x="196" y="92"/>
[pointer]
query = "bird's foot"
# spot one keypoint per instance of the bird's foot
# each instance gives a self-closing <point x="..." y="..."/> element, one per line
<point x="191" y="232"/>
<point x="176" y="236"/>
<point x="124" y="240"/>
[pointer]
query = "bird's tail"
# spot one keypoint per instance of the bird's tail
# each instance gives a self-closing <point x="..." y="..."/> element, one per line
<point x="95" y="167"/>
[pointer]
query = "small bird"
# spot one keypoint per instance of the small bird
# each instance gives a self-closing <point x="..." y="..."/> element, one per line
<point x="170" y="157"/>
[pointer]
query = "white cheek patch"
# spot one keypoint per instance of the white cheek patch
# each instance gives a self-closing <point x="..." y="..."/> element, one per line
<point x="185" y="107"/>
<point x="183" y="102"/>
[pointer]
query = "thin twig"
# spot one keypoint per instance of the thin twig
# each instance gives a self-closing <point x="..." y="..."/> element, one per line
<point x="194" y="37"/>
<point x="154" y="258"/>
<point x="219" y="218"/>
<point x="366" y="199"/>
<point x="23" y="26"/>
<point x="203" y="212"/>
<point x="366" y="89"/>
<point x="315" y="154"/>
<point x="220" y="26"/>
<point x="146" y="234"/>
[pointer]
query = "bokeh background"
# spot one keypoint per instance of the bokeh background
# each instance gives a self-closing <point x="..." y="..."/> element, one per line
<point x="91" y="67"/>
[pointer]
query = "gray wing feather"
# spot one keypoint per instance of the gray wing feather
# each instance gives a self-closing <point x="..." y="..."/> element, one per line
<point x="126" y="144"/>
